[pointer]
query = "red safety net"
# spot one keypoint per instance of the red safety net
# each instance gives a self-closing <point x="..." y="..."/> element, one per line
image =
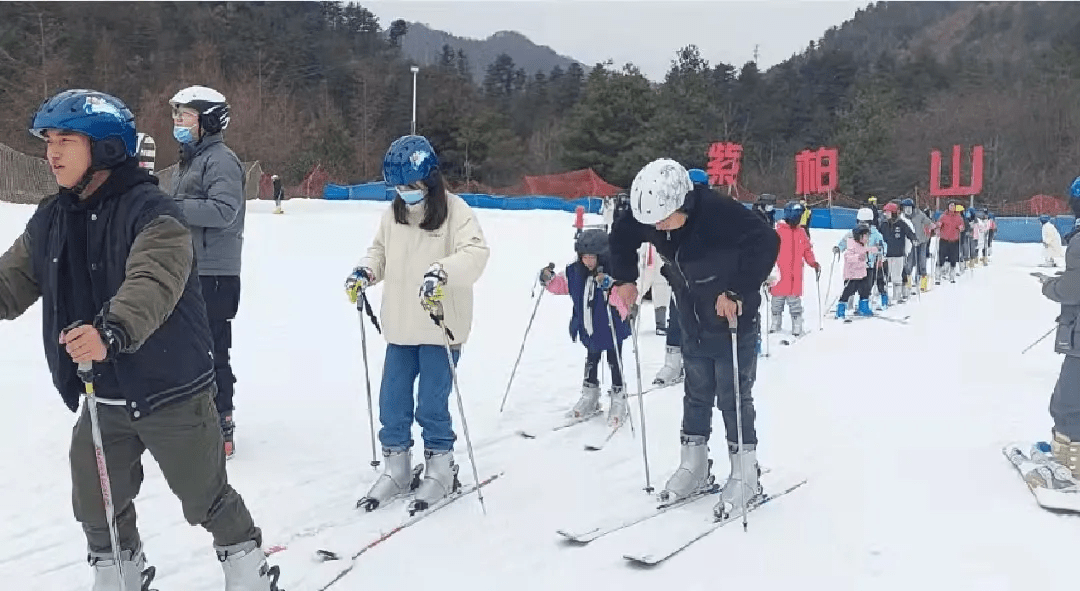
<point x="568" y="185"/>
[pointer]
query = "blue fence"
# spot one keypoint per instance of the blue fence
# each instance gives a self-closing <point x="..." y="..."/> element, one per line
<point x="380" y="192"/>
<point x="1010" y="229"/>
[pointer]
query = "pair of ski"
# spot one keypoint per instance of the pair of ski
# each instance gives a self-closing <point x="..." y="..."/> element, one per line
<point x="573" y="421"/>
<point x="349" y="558"/>
<point x="897" y="319"/>
<point x="685" y="522"/>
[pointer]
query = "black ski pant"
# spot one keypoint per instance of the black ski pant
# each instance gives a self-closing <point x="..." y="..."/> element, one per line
<point x="948" y="252"/>
<point x="222" y="296"/>
<point x="710" y="381"/>
<point x="186" y="442"/>
<point x="851" y="286"/>
<point x="1065" y="401"/>
<point x="674" y="329"/>
<point x="592" y="362"/>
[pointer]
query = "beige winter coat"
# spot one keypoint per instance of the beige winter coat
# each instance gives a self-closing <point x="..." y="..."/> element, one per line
<point x="401" y="254"/>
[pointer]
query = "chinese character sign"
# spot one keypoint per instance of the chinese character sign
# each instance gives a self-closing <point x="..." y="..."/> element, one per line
<point x="815" y="171"/>
<point x="956" y="189"/>
<point x="724" y="161"/>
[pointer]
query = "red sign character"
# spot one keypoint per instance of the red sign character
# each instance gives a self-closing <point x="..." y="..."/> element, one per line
<point x="815" y="171"/>
<point x="956" y="189"/>
<point x="724" y="161"/>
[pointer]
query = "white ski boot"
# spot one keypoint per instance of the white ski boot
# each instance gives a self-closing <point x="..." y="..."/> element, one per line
<point x="618" y="412"/>
<point x="246" y="568"/>
<point x="397" y="480"/>
<point x="1067" y="453"/>
<point x="694" y="472"/>
<point x="672" y="372"/>
<point x="440" y="479"/>
<point x="137" y="576"/>
<point x="776" y="322"/>
<point x="743" y="483"/>
<point x="796" y="325"/>
<point x="588" y="404"/>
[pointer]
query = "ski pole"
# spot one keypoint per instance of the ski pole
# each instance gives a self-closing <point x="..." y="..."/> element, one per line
<point x="437" y="318"/>
<point x="86" y="374"/>
<point x="738" y="411"/>
<point x="768" y="321"/>
<point x="641" y="396"/>
<point x="828" y="288"/>
<point x="821" y="318"/>
<point x="363" y="305"/>
<point x="513" y="372"/>
<point x="1052" y="329"/>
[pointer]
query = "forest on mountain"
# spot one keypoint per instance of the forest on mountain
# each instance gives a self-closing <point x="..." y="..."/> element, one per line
<point x="327" y="83"/>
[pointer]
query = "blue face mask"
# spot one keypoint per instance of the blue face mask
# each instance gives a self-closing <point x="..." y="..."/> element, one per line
<point x="411" y="196"/>
<point x="183" y="134"/>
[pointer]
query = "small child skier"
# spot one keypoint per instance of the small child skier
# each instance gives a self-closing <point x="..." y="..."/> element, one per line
<point x="1051" y="241"/>
<point x="795" y="248"/>
<point x="585" y="282"/>
<point x="857" y="264"/>
<point x="875" y="274"/>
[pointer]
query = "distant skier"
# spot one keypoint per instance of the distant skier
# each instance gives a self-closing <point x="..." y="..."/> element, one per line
<point x="795" y="248"/>
<point x="279" y="194"/>
<point x="588" y="286"/>
<point x="1051" y="241"/>
<point x="651" y="278"/>
<point x="877" y="257"/>
<point x="858" y="264"/>
<point x="717" y="255"/>
<point x="950" y="228"/>
<point x="991" y="225"/>
<point x="1065" y="401"/>
<point x="896" y="233"/>
<point x="428" y="244"/>
<point x="765" y="206"/>
<point x="922" y="225"/>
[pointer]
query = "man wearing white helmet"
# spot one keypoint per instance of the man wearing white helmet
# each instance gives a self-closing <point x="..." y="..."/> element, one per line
<point x="716" y="255"/>
<point x="209" y="188"/>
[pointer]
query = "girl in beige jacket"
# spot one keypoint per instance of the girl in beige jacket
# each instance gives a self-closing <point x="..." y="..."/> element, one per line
<point x="428" y="252"/>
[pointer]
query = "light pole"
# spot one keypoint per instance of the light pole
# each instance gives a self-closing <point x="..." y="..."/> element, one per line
<point x="414" y="69"/>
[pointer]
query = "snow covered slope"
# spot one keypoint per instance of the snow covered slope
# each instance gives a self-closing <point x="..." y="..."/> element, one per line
<point x="899" y="428"/>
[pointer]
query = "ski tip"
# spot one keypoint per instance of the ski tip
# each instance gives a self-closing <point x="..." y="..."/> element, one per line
<point x="326" y="555"/>
<point x="526" y="435"/>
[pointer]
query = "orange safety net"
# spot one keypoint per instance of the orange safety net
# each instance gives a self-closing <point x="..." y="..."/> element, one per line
<point x="568" y="185"/>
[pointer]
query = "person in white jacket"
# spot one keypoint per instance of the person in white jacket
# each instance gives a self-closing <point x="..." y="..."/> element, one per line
<point x="1051" y="241"/>
<point x="649" y="277"/>
<point x="429" y="244"/>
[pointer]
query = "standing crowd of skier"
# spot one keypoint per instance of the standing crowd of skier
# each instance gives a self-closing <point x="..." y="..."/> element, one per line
<point x="141" y="283"/>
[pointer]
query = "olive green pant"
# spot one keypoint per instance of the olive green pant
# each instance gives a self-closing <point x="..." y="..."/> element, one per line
<point x="185" y="440"/>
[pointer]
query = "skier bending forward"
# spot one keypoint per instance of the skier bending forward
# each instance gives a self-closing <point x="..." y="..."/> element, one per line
<point x="716" y="255"/>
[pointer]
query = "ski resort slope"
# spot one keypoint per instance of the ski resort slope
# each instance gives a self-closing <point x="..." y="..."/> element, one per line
<point x="897" y="427"/>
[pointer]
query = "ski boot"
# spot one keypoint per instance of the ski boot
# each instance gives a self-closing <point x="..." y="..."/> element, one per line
<point x="777" y="322"/>
<point x="796" y="325"/>
<point x="1067" y="453"/>
<point x="440" y="479"/>
<point x="672" y="372"/>
<point x="397" y="480"/>
<point x="618" y="411"/>
<point x="864" y="308"/>
<point x="137" y="576"/>
<point x="227" y="429"/>
<point x="743" y="484"/>
<point x="841" y="310"/>
<point x="924" y="284"/>
<point x="588" y="404"/>
<point x="884" y="301"/>
<point x="246" y="568"/>
<point x="694" y="473"/>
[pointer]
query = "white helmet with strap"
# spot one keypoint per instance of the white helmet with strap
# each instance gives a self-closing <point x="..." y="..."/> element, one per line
<point x="658" y="190"/>
<point x="212" y="106"/>
<point x="865" y="214"/>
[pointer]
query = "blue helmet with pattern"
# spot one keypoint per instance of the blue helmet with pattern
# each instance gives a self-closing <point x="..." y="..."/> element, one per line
<point x="1074" y="189"/>
<point x="698" y="176"/>
<point x="1044" y="218"/>
<point x="907" y="202"/>
<point x="409" y="159"/>
<point x="793" y="210"/>
<point x="103" y="118"/>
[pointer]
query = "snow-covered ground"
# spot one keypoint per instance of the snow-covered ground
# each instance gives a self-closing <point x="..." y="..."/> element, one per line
<point x="898" y="428"/>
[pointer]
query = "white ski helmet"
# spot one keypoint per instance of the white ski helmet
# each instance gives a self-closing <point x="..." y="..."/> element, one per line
<point x="658" y="190"/>
<point x="865" y="214"/>
<point x="212" y="106"/>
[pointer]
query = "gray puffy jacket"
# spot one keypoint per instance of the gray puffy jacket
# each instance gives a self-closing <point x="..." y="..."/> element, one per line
<point x="209" y="187"/>
<point x="1065" y="290"/>
<point x="920" y="223"/>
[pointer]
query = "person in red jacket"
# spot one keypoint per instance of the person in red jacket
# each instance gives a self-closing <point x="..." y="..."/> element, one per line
<point x="795" y="248"/>
<point x="950" y="228"/>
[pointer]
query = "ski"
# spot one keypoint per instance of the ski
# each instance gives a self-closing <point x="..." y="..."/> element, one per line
<point x="563" y="425"/>
<point x="896" y="319"/>
<point x="324" y="555"/>
<point x="587" y="533"/>
<point x="611" y="433"/>
<point x="659" y="548"/>
<point x="1052" y="484"/>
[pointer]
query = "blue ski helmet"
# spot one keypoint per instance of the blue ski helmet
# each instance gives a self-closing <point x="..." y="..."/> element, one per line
<point x="907" y="203"/>
<point x="793" y="210"/>
<point x="409" y="159"/>
<point x="103" y="118"/>
<point x="1044" y="218"/>
<point x="1074" y="190"/>
<point x="698" y="176"/>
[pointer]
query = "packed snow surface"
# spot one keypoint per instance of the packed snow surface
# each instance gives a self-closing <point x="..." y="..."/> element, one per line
<point x="897" y="427"/>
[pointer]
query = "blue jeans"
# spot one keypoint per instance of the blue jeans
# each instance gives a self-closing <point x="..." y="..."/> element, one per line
<point x="403" y="364"/>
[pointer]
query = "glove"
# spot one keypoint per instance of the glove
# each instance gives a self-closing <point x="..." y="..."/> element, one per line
<point x="431" y="290"/>
<point x="836" y="250"/>
<point x="604" y="281"/>
<point x="817" y="269"/>
<point x="772" y="281"/>
<point x="547" y="273"/>
<point x="358" y="280"/>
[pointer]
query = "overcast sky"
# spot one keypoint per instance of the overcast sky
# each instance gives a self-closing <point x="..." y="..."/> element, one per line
<point x="646" y="33"/>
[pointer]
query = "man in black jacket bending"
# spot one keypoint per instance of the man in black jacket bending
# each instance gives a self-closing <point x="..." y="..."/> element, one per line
<point x="716" y="255"/>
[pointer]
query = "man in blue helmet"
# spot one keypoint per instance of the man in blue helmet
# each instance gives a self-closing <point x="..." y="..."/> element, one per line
<point x="209" y="187"/>
<point x="698" y="177"/>
<point x="114" y="266"/>
<point x="1064" y="289"/>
